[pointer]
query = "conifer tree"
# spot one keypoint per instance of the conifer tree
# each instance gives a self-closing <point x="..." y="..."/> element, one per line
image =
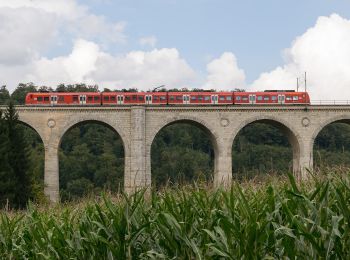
<point x="17" y="157"/>
<point x="4" y="95"/>
<point x="7" y="181"/>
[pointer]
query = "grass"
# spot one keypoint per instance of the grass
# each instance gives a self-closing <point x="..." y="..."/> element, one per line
<point x="271" y="219"/>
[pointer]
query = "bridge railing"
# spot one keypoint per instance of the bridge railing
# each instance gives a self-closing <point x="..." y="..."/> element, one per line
<point x="330" y="102"/>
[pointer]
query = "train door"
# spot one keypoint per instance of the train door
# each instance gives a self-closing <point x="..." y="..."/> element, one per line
<point x="148" y="99"/>
<point x="214" y="99"/>
<point x="53" y="100"/>
<point x="252" y="99"/>
<point x="82" y="99"/>
<point x="186" y="99"/>
<point x="281" y="99"/>
<point x="120" y="99"/>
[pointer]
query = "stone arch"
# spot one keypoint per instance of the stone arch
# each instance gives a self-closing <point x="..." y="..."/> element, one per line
<point x="98" y="120"/>
<point x="75" y="122"/>
<point x="286" y="128"/>
<point x="203" y="125"/>
<point x="322" y="125"/>
<point x="23" y="122"/>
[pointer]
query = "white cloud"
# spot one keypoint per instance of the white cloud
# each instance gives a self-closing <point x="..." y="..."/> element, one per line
<point x="323" y="52"/>
<point x="29" y="28"/>
<point x="73" y="68"/>
<point x="88" y="64"/>
<point x="148" y="41"/>
<point x="144" y="70"/>
<point x="24" y="32"/>
<point x="224" y="74"/>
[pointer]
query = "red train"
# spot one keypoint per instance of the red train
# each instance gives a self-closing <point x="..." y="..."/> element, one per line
<point x="268" y="97"/>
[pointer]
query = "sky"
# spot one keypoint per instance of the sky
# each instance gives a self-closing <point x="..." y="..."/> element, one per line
<point x="210" y="44"/>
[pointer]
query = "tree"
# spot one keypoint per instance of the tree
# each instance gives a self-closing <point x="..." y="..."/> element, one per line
<point x="19" y="95"/>
<point x="18" y="158"/>
<point x="7" y="181"/>
<point x="4" y="95"/>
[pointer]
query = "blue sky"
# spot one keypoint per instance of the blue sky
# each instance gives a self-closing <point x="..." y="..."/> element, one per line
<point x="256" y="31"/>
<point x="201" y="43"/>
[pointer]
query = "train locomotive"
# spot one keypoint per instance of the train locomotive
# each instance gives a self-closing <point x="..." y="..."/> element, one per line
<point x="267" y="97"/>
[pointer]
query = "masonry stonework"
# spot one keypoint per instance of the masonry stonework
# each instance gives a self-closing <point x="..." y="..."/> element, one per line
<point x="138" y="126"/>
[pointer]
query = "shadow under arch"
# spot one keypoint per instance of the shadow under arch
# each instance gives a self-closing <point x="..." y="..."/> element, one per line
<point x="330" y="144"/>
<point x="190" y="122"/>
<point x="284" y="127"/>
<point x="104" y="150"/>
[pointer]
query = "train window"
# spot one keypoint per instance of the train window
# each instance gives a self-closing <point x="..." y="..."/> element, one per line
<point x="40" y="99"/>
<point x="245" y="98"/>
<point x="96" y="98"/>
<point x="155" y="98"/>
<point x="178" y="98"/>
<point x="46" y="99"/>
<point x="60" y="98"/>
<point x="295" y="97"/>
<point x="266" y="98"/>
<point x="75" y="98"/>
<point x="260" y="98"/>
<point x="90" y="99"/>
<point x="141" y="98"/>
<point x="134" y="97"/>
<point x="273" y="98"/>
<point x="162" y="98"/>
<point x="112" y="98"/>
<point x="206" y="98"/>
<point x="106" y="98"/>
<point x="229" y="98"/>
<point x="221" y="98"/>
<point x="127" y="98"/>
<point x="238" y="98"/>
<point x="288" y="98"/>
<point x="194" y="98"/>
<point x="171" y="98"/>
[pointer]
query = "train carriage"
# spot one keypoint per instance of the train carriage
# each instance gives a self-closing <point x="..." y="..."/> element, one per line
<point x="63" y="99"/>
<point x="270" y="97"/>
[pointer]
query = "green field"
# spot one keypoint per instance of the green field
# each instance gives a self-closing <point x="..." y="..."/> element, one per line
<point x="276" y="218"/>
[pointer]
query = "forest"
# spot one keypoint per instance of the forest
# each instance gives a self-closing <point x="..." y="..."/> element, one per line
<point x="91" y="156"/>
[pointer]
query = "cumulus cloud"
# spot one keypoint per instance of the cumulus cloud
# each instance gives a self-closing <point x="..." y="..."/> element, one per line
<point x="89" y="64"/>
<point x="224" y="74"/>
<point x="148" y="41"/>
<point x="23" y="33"/>
<point x="73" y="68"/>
<point x="323" y="51"/>
<point x="144" y="70"/>
<point x="29" y="28"/>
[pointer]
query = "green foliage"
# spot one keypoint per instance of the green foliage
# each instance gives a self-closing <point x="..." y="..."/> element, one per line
<point x="19" y="94"/>
<point x="260" y="149"/>
<point x="15" y="182"/>
<point x="4" y="95"/>
<point x="181" y="153"/>
<point x="277" y="220"/>
<point x="91" y="160"/>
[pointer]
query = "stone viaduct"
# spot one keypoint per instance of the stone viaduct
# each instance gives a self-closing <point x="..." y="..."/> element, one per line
<point x="138" y="125"/>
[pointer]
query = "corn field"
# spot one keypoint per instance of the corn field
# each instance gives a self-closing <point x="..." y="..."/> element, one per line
<point x="278" y="219"/>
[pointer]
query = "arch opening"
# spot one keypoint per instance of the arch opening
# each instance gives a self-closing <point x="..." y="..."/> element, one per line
<point x="264" y="147"/>
<point x="331" y="146"/>
<point x="182" y="152"/>
<point x="91" y="160"/>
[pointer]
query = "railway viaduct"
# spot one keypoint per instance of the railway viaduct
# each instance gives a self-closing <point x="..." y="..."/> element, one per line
<point x="138" y="125"/>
